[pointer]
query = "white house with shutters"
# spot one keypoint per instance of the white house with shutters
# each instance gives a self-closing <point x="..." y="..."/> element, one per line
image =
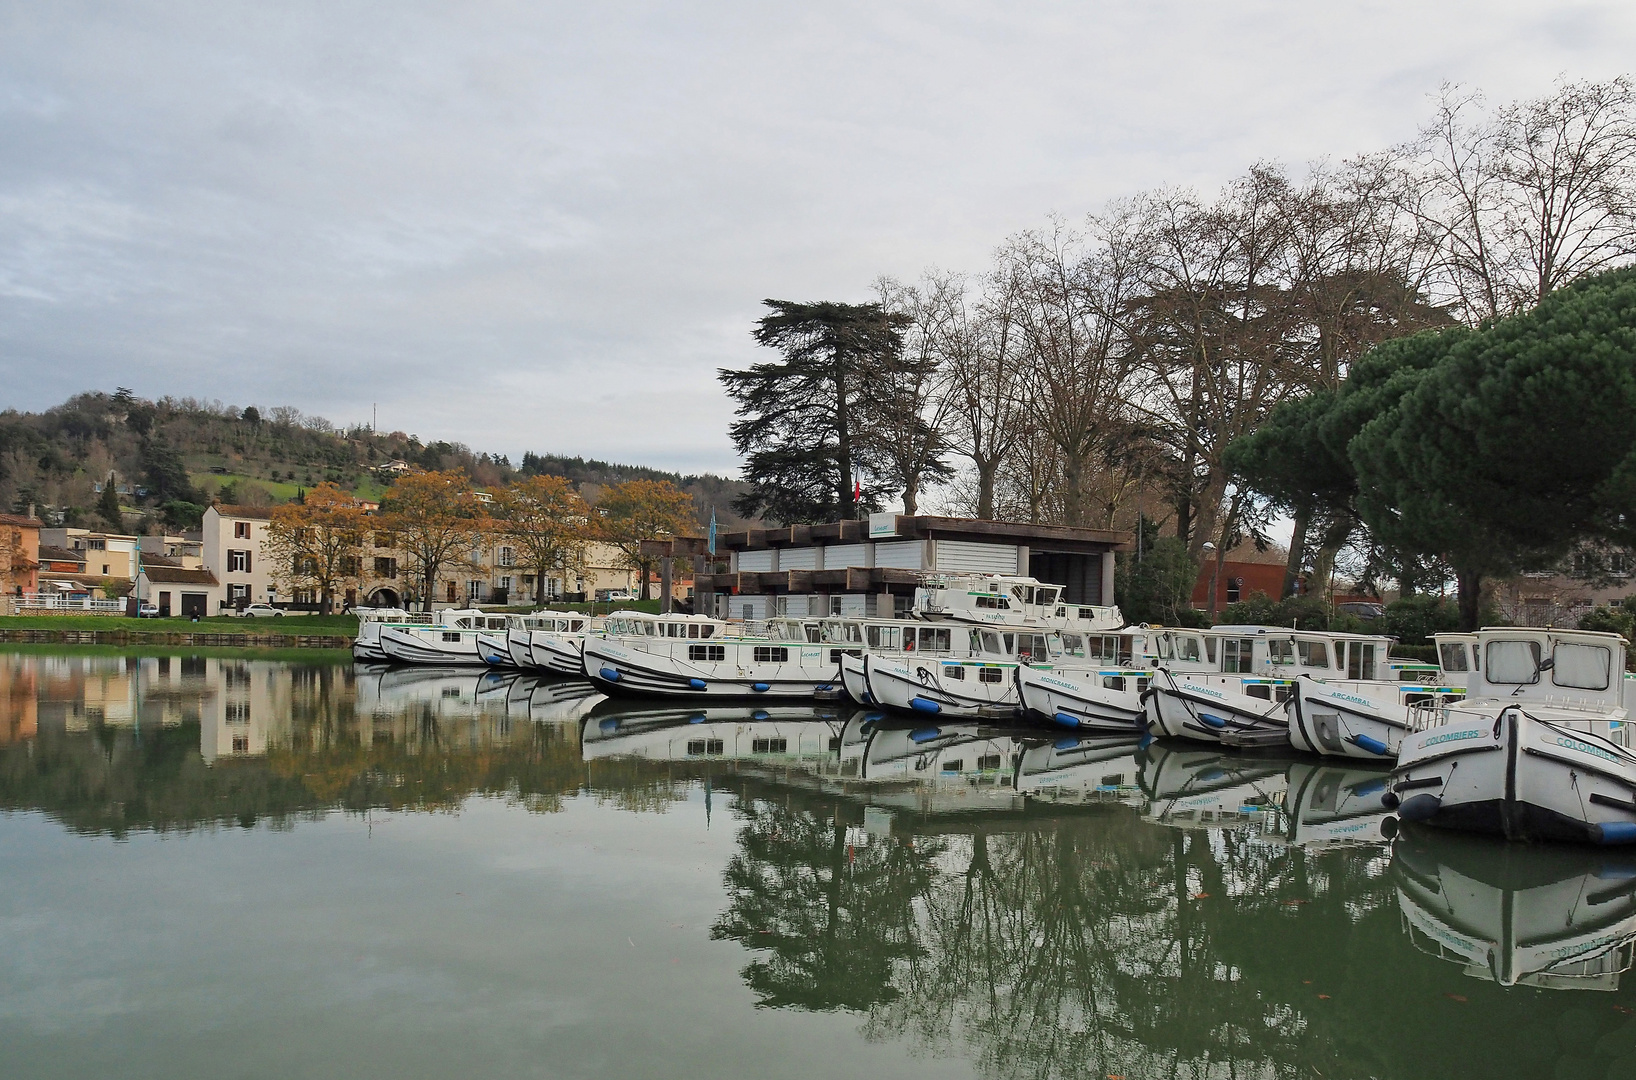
<point x="233" y="538"/>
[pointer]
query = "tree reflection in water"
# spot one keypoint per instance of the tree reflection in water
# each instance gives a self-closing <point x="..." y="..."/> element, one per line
<point x="1073" y="945"/>
<point x="833" y="913"/>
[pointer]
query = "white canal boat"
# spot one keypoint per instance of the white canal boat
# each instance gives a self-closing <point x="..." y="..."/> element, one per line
<point x="517" y="647"/>
<point x="1241" y="702"/>
<point x="1365" y="720"/>
<point x="1538" y="748"/>
<point x="452" y="640"/>
<point x="692" y="656"/>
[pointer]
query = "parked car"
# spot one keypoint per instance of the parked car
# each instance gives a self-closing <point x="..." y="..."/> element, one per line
<point x="1362" y="610"/>
<point x="261" y="611"/>
<point x="147" y="611"/>
<point x="617" y="596"/>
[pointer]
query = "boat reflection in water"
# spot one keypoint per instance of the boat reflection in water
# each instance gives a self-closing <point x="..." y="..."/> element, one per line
<point x="785" y="734"/>
<point x="1330" y="804"/>
<point x="1205" y="787"/>
<point x="1081" y="769"/>
<point x="1548" y="916"/>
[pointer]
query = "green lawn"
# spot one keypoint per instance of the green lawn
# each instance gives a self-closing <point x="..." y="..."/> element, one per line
<point x="216" y="624"/>
<point x="294" y="656"/>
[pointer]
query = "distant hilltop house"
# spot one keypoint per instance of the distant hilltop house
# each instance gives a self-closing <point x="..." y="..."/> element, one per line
<point x="395" y="467"/>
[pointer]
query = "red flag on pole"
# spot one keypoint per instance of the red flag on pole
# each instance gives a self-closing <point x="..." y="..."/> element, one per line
<point x="857" y="490"/>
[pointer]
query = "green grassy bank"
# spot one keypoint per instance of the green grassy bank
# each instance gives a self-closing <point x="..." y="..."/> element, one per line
<point x="217" y="624"/>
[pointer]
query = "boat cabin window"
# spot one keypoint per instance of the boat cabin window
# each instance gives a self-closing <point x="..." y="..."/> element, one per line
<point x="1311" y="653"/>
<point x="935" y="639"/>
<point x="993" y="603"/>
<point x="1187" y="647"/>
<point x="1032" y="649"/>
<point x="1073" y="645"/>
<point x="1453" y="657"/>
<point x="1281" y="651"/>
<point x="1360" y="660"/>
<point x="1210" y="650"/>
<point x="883" y="637"/>
<point x="1581" y="667"/>
<point x="1513" y="663"/>
<point x="1237" y="654"/>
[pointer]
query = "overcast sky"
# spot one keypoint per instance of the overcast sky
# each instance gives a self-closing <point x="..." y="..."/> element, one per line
<point x="527" y="225"/>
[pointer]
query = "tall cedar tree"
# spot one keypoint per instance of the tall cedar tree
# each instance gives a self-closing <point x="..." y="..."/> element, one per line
<point x="805" y="421"/>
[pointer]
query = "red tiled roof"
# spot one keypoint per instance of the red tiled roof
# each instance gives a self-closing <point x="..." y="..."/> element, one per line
<point x="262" y="512"/>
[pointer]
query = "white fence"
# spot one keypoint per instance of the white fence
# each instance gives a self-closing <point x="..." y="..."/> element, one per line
<point x="83" y="605"/>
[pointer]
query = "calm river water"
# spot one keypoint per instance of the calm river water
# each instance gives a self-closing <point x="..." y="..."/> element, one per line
<point x="243" y="868"/>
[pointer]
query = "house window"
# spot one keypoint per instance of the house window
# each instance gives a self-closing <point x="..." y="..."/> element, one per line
<point x="96" y="545"/>
<point x="474" y="590"/>
<point x="238" y="712"/>
<point x="104" y="569"/>
<point x="241" y="744"/>
<point x="1618" y="564"/>
<point x="385" y="540"/>
<point x="1235" y="589"/>
<point x="450" y="592"/>
<point x="237" y="593"/>
<point x="508" y="557"/>
<point x="241" y="530"/>
<point x="386" y="568"/>
<point x="238" y="562"/>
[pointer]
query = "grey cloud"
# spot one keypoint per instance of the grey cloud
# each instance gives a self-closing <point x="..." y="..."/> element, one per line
<point x="545" y="226"/>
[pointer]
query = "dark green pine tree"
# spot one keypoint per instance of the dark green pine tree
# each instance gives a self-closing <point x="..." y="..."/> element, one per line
<point x="804" y="424"/>
<point x="108" y="505"/>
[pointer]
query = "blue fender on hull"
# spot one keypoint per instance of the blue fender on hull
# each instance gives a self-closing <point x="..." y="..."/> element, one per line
<point x="1373" y="745"/>
<point x="925" y="705"/>
<point x="925" y="734"/>
<point x="696" y="684"/>
<point x="1066" y="719"/>
<point x="1614" y="832"/>
<point x="760" y="687"/>
<point x="610" y="724"/>
<point x="610" y="674"/>
<point x="759" y="714"/>
<point x="698" y="719"/>
<point x="1213" y="721"/>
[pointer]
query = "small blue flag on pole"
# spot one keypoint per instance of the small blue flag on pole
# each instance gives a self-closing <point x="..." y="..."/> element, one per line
<point x="712" y="530"/>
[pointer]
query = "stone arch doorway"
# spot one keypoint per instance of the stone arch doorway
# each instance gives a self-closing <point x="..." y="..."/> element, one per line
<point x="385" y="598"/>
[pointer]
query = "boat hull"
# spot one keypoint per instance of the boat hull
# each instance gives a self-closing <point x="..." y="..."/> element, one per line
<point x="920" y="686"/>
<point x="633" y="672"/>
<point x="419" y="647"/>
<point x="558" y="653"/>
<point x="1079" y="700"/>
<point x="1184" y="708"/>
<point x="1516" y="775"/>
<point x="1340" y="723"/>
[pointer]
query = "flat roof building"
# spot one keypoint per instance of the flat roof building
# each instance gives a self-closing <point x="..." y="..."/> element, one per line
<point x="872" y="567"/>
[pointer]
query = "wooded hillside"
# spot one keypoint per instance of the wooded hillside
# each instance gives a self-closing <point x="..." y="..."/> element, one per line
<point x="170" y="457"/>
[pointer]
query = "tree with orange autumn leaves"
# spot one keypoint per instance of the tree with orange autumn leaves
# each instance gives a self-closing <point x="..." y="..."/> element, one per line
<point x="317" y="544"/>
